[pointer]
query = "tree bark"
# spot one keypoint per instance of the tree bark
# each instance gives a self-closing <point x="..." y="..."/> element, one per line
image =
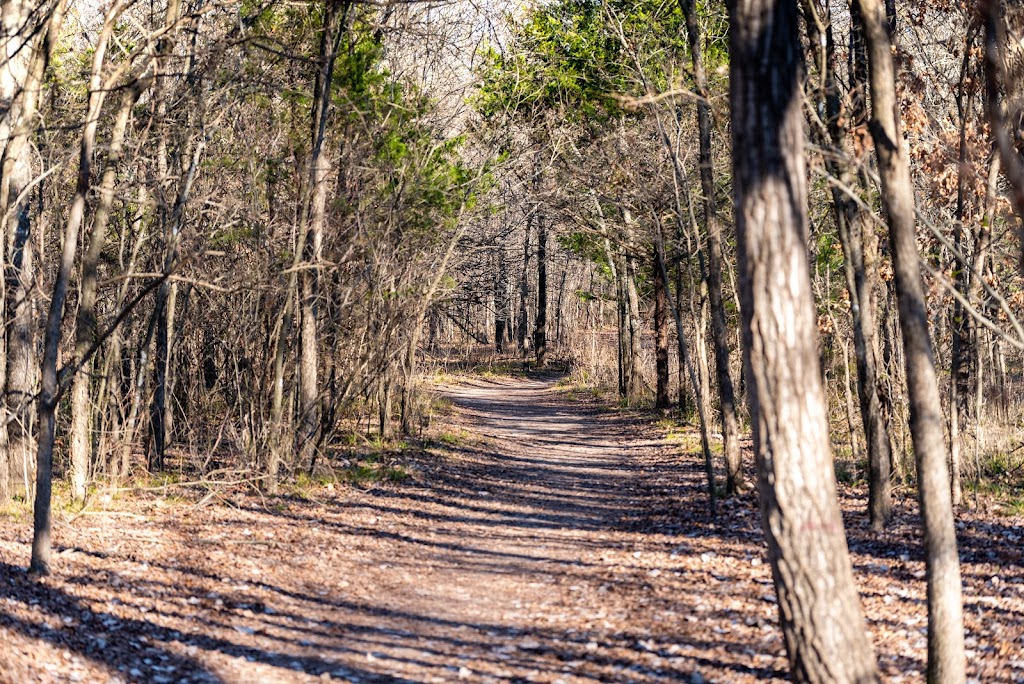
<point x="819" y="609"/>
<point x="661" y="399"/>
<point x="85" y="322"/>
<point x="946" y="660"/>
<point x="48" y="396"/>
<point x="540" y="331"/>
<point x="522" y="325"/>
<point x="858" y="241"/>
<point x="719" y="326"/>
<point x="686" y="362"/>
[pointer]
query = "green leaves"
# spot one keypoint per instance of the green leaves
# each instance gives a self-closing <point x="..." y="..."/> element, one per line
<point x="580" y="58"/>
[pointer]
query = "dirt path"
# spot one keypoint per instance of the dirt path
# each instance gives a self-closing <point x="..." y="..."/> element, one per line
<point x="553" y="542"/>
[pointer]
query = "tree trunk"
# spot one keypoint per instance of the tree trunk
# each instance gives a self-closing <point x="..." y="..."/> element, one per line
<point x="502" y="298"/>
<point x="819" y="609"/>
<point x="28" y="36"/>
<point x="85" y="322"/>
<point x="633" y="327"/>
<point x="859" y="243"/>
<point x="661" y="400"/>
<point x="719" y="326"/>
<point x="540" y="331"/>
<point x="522" y="325"/>
<point x="49" y="395"/>
<point x="946" y="660"/>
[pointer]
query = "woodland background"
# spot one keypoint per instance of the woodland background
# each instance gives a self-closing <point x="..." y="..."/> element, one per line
<point x="242" y="237"/>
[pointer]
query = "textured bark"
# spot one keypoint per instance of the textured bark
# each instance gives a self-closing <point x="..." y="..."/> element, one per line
<point x="22" y="69"/>
<point x="819" y="610"/>
<point x="719" y="326"/>
<point x="311" y="231"/>
<point x="687" y="363"/>
<point x="633" y="327"/>
<point x="858" y="241"/>
<point x="164" y="310"/>
<point x="946" y="660"/>
<point x="502" y="299"/>
<point x="309" y="287"/>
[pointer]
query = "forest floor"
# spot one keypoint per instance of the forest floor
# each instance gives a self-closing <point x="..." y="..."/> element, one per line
<point x="542" y="538"/>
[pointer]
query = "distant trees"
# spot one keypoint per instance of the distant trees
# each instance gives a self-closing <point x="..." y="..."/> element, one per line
<point x="256" y="215"/>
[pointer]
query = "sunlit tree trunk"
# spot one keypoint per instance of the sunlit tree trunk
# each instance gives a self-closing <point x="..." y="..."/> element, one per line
<point x="719" y="326"/>
<point x="819" y="606"/>
<point x="946" y="660"/>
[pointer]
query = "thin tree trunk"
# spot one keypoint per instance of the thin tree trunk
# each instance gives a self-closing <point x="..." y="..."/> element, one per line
<point x="502" y="298"/>
<point x="858" y="241"/>
<point x="719" y="326"/>
<point x="540" y="331"/>
<point x="522" y="325"/>
<point x="819" y="609"/>
<point x="634" y="328"/>
<point x="684" y="359"/>
<point x="27" y="55"/>
<point x="661" y="400"/>
<point x="49" y="397"/>
<point x="946" y="660"/>
<point x="85" y="322"/>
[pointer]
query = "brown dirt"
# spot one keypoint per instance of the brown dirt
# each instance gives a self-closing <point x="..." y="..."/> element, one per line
<point x="556" y="542"/>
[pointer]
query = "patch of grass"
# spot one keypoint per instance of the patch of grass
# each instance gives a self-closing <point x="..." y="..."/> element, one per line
<point x="1013" y="507"/>
<point x="453" y="438"/>
<point x="155" y="480"/>
<point x="441" y="406"/>
<point x="306" y="481"/>
<point x="363" y="474"/>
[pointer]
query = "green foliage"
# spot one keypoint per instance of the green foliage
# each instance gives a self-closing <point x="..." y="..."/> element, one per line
<point x="587" y="246"/>
<point x="569" y="56"/>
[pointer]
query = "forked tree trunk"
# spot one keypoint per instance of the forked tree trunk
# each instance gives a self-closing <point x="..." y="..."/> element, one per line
<point x="819" y="606"/>
<point x="946" y="660"/>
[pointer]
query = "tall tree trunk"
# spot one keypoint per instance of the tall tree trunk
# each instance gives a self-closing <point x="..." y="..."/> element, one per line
<point x="502" y="297"/>
<point x="960" y="352"/>
<point x="719" y="326"/>
<point x="49" y="396"/>
<point x="85" y="322"/>
<point x="164" y="311"/>
<point x="858" y="241"/>
<point x="522" y="325"/>
<point x="29" y="34"/>
<point x="819" y="609"/>
<point x="661" y="399"/>
<point x="633" y="327"/>
<point x="540" y="331"/>
<point x="946" y="660"/>
<point x="685" y="361"/>
<point x="313" y="221"/>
